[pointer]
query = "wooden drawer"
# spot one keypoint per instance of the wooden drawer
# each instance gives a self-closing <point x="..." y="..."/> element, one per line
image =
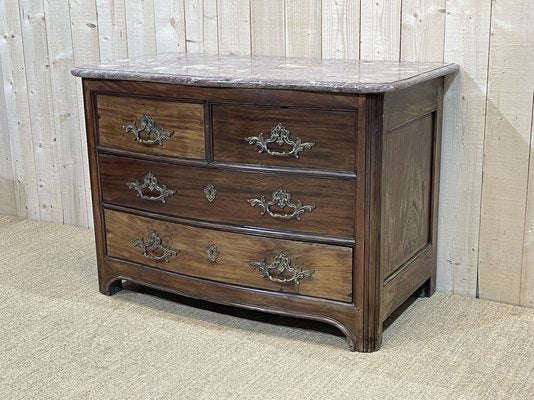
<point x="282" y="136"/>
<point x="327" y="204"/>
<point x="325" y="270"/>
<point x="149" y="124"/>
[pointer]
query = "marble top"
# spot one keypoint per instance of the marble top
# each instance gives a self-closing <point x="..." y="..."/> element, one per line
<point x="346" y="76"/>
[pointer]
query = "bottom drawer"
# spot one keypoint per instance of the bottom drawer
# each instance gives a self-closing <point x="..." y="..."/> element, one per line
<point x="274" y="264"/>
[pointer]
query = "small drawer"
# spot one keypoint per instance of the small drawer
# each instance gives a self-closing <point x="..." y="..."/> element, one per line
<point x="289" y="202"/>
<point x="151" y="126"/>
<point x="279" y="265"/>
<point x="282" y="136"/>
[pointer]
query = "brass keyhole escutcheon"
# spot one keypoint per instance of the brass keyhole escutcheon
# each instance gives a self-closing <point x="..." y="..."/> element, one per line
<point x="213" y="253"/>
<point x="210" y="192"/>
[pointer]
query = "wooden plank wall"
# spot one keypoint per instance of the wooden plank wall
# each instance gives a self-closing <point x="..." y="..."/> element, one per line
<point x="486" y="230"/>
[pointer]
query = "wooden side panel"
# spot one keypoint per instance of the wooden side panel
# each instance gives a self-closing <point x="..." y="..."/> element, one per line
<point x="405" y="105"/>
<point x="506" y="151"/>
<point x="341" y="29"/>
<point x="303" y="28"/>
<point x="407" y="191"/>
<point x="234" y="26"/>
<point x="267" y="31"/>
<point x="332" y="264"/>
<point x="185" y="120"/>
<point x="466" y="42"/>
<point x="423" y="30"/>
<point x="409" y="234"/>
<point x="380" y="30"/>
<point x="169" y="19"/>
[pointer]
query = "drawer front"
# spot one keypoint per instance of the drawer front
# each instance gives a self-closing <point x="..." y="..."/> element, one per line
<point x="304" y="204"/>
<point x="280" y="265"/>
<point x="151" y="126"/>
<point x="291" y="137"/>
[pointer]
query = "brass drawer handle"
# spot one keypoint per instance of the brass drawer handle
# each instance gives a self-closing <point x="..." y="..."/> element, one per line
<point x="282" y="199"/>
<point x="282" y="264"/>
<point x="150" y="182"/>
<point x="154" y="248"/>
<point x="279" y="135"/>
<point x="154" y="134"/>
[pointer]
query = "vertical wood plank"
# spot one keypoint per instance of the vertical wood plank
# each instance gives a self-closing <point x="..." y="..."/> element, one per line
<point x="303" y="28"/>
<point x="466" y="43"/>
<point x="8" y="204"/>
<point x="45" y="146"/>
<point x="194" y="26"/>
<point x="140" y="27"/>
<point x="268" y="27"/>
<point x="234" y="26"/>
<point x="341" y="29"/>
<point x="380" y="30"/>
<point x="506" y="150"/>
<point x="422" y="30"/>
<point x="170" y="25"/>
<point x="17" y="109"/>
<point x="84" y="31"/>
<point x="527" y="268"/>
<point x="66" y="113"/>
<point x="112" y="36"/>
<point x="211" y="27"/>
<point x="85" y="37"/>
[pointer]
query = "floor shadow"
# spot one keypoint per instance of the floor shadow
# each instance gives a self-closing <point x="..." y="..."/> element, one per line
<point x="238" y="312"/>
<point x="258" y="316"/>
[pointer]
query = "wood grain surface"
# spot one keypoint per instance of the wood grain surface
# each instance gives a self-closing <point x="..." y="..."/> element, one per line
<point x="331" y="132"/>
<point x="184" y="119"/>
<point x="407" y="191"/>
<point x="334" y="199"/>
<point x="332" y="264"/>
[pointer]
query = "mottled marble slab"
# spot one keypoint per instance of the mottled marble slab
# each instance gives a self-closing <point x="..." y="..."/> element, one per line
<point x="346" y="76"/>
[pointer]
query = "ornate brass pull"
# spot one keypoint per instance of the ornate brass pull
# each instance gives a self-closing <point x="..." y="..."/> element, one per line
<point x="282" y="264"/>
<point x="150" y="182"/>
<point x="154" y="248"/>
<point x="154" y="134"/>
<point x="281" y="199"/>
<point x="279" y="135"/>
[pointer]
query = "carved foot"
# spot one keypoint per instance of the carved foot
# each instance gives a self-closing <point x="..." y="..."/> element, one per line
<point x="426" y="289"/>
<point x="111" y="287"/>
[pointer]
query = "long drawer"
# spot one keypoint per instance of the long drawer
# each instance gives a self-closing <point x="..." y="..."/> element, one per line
<point x="280" y="265"/>
<point x="290" y="202"/>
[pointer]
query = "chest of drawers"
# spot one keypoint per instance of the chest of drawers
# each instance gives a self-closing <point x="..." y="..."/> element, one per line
<point x="298" y="187"/>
